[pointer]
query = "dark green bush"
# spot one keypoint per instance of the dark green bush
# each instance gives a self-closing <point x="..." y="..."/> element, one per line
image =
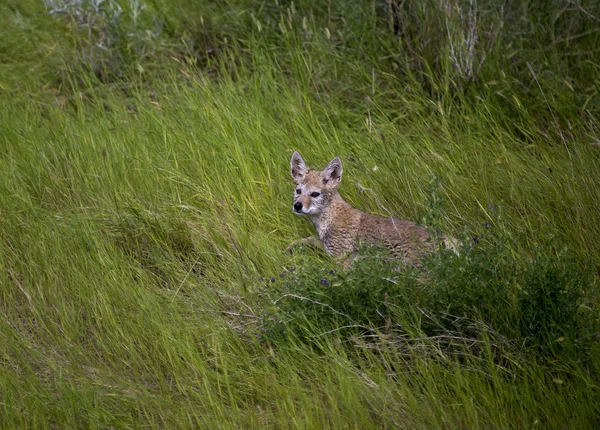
<point x="359" y="296"/>
<point x="544" y="304"/>
<point x="556" y="305"/>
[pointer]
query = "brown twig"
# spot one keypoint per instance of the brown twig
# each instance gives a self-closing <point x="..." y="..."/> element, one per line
<point x="578" y="6"/>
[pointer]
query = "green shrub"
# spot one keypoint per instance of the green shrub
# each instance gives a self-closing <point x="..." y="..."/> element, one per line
<point x="544" y="304"/>
<point x="557" y="305"/>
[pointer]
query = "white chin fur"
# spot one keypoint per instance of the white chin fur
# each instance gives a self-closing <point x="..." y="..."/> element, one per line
<point x="309" y="211"/>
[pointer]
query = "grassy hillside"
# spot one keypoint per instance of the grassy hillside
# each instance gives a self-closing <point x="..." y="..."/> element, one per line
<point x="145" y="212"/>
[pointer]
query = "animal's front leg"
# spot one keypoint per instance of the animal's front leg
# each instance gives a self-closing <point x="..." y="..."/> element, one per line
<point x="312" y="241"/>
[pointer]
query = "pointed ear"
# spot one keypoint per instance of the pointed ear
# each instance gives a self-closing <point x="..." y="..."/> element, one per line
<point x="332" y="175"/>
<point x="298" y="167"/>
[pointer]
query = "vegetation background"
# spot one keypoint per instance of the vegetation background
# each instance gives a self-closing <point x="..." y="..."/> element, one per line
<point x="145" y="210"/>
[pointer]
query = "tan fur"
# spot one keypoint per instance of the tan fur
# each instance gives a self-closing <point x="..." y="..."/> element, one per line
<point x="340" y="226"/>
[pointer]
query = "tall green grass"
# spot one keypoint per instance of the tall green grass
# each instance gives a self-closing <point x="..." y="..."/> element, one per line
<point x="145" y="213"/>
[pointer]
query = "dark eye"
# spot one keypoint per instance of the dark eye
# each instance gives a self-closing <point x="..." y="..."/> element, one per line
<point x="298" y="191"/>
<point x="315" y="194"/>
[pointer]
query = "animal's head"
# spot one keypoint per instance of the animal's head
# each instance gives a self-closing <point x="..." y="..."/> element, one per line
<point x="314" y="188"/>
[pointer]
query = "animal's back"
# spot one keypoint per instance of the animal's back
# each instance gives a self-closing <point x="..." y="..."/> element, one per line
<point x="405" y="239"/>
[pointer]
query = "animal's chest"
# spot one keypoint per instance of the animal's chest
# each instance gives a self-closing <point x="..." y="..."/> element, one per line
<point x="337" y="238"/>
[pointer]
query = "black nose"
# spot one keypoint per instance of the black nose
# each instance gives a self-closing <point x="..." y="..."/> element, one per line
<point x="297" y="206"/>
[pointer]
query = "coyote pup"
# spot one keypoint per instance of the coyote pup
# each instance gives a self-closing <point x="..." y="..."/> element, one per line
<point x="340" y="226"/>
